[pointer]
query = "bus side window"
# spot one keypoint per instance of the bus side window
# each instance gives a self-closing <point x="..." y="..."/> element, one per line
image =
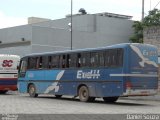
<point x="68" y="61"/>
<point x="55" y="61"/>
<point x="62" y="61"/>
<point x="40" y="63"/>
<point x="101" y="58"/>
<point x="49" y="62"/>
<point x="73" y="60"/>
<point x="94" y="59"/>
<point x="113" y="56"/>
<point x="107" y="58"/>
<point x="85" y="59"/>
<point x="32" y="63"/>
<point x="120" y="57"/>
<point x="79" y="63"/>
<point x="45" y="62"/>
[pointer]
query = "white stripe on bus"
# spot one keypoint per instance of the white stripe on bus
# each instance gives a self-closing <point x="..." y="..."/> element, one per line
<point x="133" y="75"/>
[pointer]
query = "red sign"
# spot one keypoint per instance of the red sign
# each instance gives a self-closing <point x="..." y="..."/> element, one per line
<point x="7" y="63"/>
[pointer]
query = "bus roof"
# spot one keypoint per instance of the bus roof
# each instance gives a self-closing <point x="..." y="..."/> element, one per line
<point x="9" y="55"/>
<point x="121" y="45"/>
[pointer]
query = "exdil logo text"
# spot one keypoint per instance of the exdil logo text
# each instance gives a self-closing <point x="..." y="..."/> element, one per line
<point x="93" y="74"/>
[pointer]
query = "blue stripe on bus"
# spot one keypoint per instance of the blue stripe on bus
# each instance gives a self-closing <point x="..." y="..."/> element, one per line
<point x="8" y="82"/>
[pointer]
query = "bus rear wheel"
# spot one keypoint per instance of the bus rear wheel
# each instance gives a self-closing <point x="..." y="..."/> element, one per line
<point x="110" y="99"/>
<point x="84" y="94"/>
<point x="58" y="96"/>
<point x="32" y="91"/>
<point x="3" y="91"/>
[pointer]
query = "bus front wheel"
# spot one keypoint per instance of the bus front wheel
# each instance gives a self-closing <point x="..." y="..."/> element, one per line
<point x="32" y="90"/>
<point x="84" y="94"/>
<point x="110" y="99"/>
<point x="3" y="91"/>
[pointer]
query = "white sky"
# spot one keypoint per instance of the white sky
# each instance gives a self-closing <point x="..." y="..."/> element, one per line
<point x="16" y="12"/>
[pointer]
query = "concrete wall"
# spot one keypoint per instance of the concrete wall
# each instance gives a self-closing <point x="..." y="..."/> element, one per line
<point x="18" y="50"/>
<point x="16" y="40"/>
<point x="14" y="34"/>
<point x="152" y="36"/>
<point x="89" y="31"/>
<point x="49" y="39"/>
<point x="32" y="20"/>
<point x="80" y="23"/>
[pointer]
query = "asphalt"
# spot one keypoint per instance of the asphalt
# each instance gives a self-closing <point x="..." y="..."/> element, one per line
<point x="149" y="98"/>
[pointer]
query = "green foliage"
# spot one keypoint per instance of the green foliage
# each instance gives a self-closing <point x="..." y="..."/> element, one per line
<point x="138" y="32"/>
<point x="153" y="19"/>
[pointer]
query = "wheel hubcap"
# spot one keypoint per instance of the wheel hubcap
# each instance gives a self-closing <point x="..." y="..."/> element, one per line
<point x="32" y="90"/>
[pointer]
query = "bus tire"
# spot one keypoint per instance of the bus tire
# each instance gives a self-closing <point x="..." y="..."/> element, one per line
<point x="3" y="91"/>
<point x="110" y="99"/>
<point x="83" y="93"/>
<point x="32" y="90"/>
<point x="58" y="96"/>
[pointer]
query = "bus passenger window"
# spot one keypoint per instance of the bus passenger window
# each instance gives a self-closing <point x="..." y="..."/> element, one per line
<point x="85" y="59"/>
<point x="49" y="62"/>
<point x="79" y="60"/>
<point x="55" y="61"/>
<point x="62" y="61"/>
<point x="107" y="58"/>
<point x="120" y="57"/>
<point x="45" y="62"/>
<point x="32" y="63"/>
<point x="94" y="59"/>
<point x="73" y="61"/>
<point x="68" y="61"/>
<point x="101" y="58"/>
<point x="40" y="63"/>
<point x="113" y="56"/>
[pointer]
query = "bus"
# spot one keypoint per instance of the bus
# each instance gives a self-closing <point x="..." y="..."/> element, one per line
<point x="126" y="69"/>
<point x="8" y="72"/>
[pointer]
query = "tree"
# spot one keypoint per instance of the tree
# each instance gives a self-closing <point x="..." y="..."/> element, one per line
<point x="152" y="19"/>
<point x="137" y="37"/>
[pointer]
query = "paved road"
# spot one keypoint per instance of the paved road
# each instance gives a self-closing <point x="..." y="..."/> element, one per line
<point x="15" y="103"/>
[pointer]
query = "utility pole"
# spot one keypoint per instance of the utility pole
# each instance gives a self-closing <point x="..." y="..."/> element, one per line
<point x="71" y="22"/>
<point x="142" y="10"/>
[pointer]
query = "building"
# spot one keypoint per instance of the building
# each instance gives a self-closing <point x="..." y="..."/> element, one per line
<point x="152" y="36"/>
<point x="89" y="31"/>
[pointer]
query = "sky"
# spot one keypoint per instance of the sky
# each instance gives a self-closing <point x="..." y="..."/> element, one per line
<point x="16" y="12"/>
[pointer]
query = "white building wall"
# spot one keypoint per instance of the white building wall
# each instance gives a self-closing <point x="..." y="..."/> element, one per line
<point x="89" y="31"/>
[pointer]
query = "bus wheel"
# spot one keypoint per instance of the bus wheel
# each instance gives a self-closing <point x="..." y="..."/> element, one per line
<point x="84" y="95"/>
<point x="110" y="99"/>
<point x="32" y="91"/>
<point x="3" y="91"/>
<point x="58" y="96"/>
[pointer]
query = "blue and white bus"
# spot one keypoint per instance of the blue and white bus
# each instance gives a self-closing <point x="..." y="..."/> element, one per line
<point x="128" y="69"/>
